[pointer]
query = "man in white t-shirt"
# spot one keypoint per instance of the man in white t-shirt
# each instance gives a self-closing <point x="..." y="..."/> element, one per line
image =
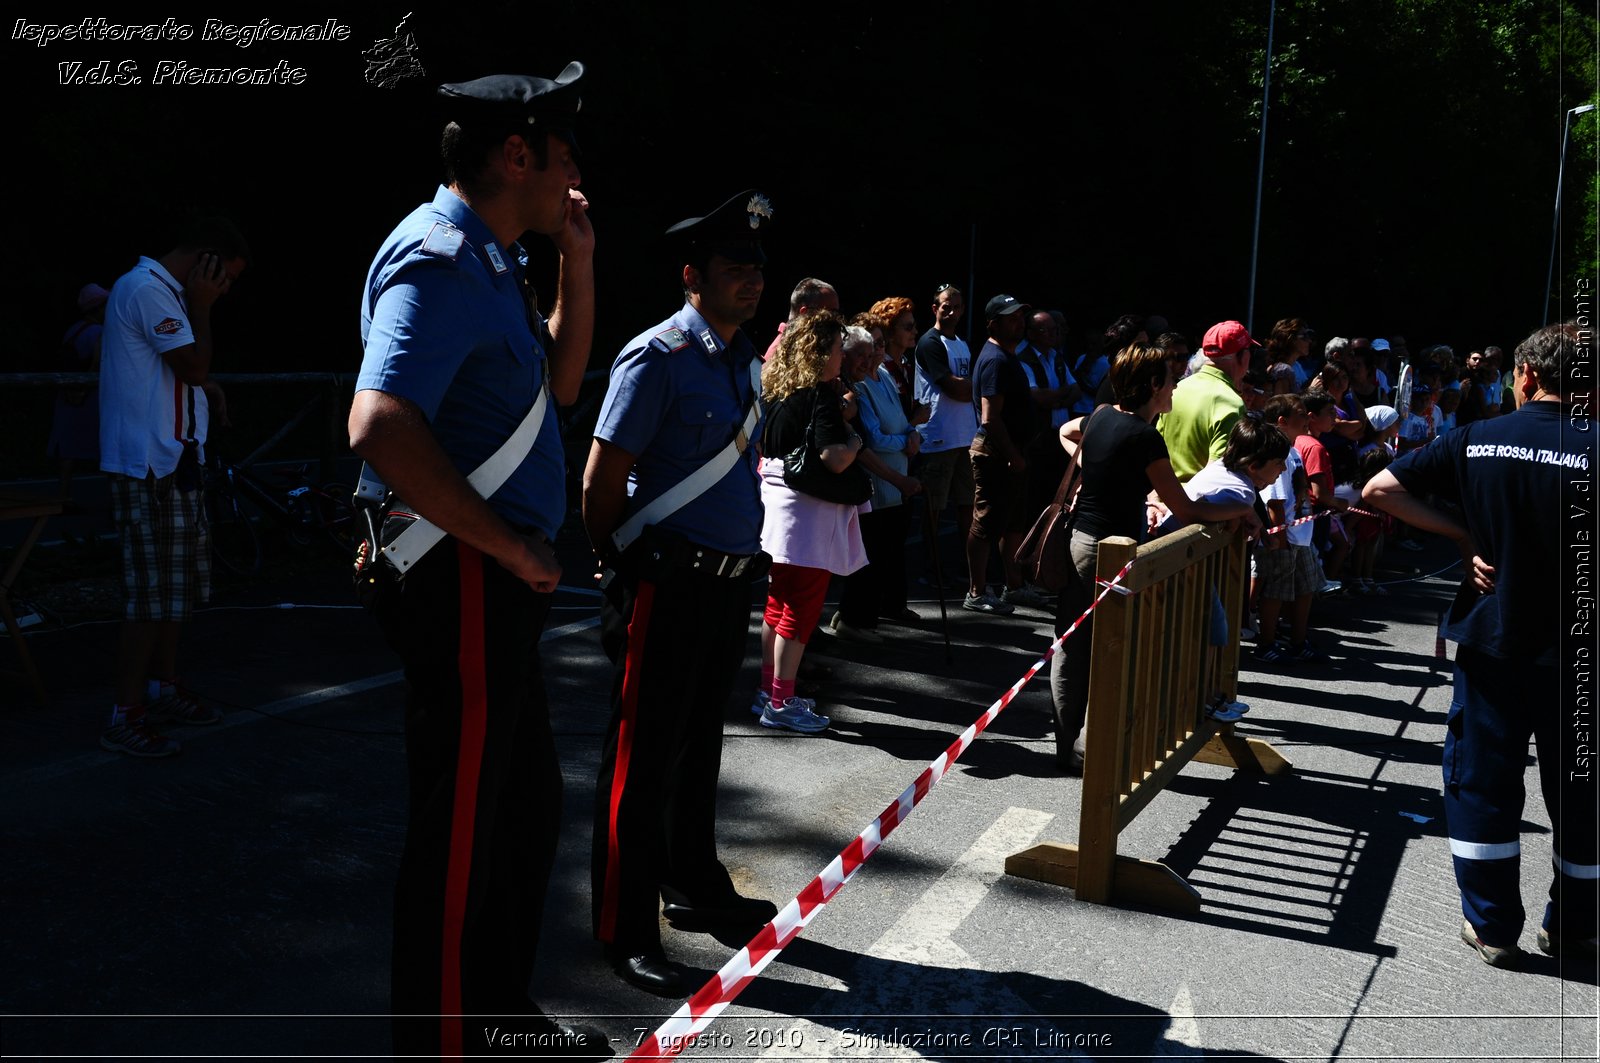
<point x="944" y="385"/>
<point x="155" y="367"/>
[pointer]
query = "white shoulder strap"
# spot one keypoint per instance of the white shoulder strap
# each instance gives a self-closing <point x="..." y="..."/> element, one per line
<point x="410" y="545"/>
<point x="698" y="482"/>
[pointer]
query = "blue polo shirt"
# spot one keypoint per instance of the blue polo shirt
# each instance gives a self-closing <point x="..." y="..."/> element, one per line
<point x="445" y="324"/>
<point x="677" y="396"/>
<point x="1513" y="477"/>
<point x="1000" y="374"/>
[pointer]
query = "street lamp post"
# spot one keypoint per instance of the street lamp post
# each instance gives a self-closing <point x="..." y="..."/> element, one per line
<point x="1261" y="168"/>
<point x="1555" y="229"/>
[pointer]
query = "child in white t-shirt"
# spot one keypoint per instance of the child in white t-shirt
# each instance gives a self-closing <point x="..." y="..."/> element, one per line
<point x="1287" y="566"/>
<point x="1418" y="429"/>
<point x="1255" y="456"/>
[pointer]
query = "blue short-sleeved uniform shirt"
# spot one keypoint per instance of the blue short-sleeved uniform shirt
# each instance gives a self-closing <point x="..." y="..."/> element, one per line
<point x="677" y="396"/>
<point x="445" y="323"/>
<point x="1513" y="477"/>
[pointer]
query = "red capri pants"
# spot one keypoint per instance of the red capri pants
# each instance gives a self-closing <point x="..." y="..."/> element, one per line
<point x="794" y="600"/>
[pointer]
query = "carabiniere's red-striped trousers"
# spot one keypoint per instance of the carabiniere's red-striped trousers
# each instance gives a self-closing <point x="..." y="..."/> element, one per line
<point x="678" y="640"/>
<point x="485" y="797"/>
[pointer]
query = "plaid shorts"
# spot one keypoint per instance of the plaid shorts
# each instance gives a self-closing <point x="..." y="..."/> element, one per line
<point x="1288" y="573"/>
<point x="166" y="548"/>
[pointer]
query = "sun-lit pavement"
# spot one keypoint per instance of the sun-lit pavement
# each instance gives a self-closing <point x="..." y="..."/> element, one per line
<point x="235" y="900"/>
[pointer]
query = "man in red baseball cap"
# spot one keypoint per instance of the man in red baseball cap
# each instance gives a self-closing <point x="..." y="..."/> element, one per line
<point x="1228" y="338"/>
<point x="1207" y="404"/>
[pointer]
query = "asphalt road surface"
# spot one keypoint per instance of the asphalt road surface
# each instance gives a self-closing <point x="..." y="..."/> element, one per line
<point x="235" y="900"/>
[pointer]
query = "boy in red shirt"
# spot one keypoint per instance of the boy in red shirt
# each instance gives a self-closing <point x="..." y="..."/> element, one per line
<point x="1319" y="474"/>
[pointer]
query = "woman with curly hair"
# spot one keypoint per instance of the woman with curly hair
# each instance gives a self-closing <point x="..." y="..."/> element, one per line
<point x="808" y="537"/>
<point x="899" y="322"/>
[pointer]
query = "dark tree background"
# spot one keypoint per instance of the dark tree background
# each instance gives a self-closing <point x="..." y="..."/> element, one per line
<point x="1096" y="158"/>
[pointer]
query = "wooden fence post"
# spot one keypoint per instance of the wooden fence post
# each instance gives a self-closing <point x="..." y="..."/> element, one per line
<point x="1110" y="688"/>
<point x="1153" y="671"/>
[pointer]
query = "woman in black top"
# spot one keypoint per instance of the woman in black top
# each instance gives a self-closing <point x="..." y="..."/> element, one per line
<point x="1123" y="459"/>
<point x="809" y="538"/>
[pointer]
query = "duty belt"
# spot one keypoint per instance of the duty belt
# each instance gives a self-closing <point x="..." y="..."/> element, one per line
<point x="716" y="563"/>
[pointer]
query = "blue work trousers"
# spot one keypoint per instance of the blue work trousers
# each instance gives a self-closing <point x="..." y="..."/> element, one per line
<point x="1498" y="705"/>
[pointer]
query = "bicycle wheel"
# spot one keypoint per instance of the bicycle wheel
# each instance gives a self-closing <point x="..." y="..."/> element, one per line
<point x="234" y="543"/>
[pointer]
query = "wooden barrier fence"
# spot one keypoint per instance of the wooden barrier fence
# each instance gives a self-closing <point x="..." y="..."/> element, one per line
<point x="1153" y="674"/>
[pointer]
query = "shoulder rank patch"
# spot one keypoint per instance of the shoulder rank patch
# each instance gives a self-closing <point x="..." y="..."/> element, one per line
<point x="443" y="240"/>
<point x="674" y="338"/>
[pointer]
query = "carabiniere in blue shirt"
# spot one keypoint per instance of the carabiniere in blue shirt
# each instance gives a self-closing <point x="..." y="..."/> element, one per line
<point x="677" y="396"/>
<point x="446" y="324"/>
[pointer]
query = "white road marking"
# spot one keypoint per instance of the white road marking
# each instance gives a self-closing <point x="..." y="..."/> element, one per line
<point x="922" y="937"/>
<point x="923" y="933"/>
<point x="1183" y="1030"/>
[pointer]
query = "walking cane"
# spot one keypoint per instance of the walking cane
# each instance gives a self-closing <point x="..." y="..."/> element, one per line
<point x="931" y="535"/>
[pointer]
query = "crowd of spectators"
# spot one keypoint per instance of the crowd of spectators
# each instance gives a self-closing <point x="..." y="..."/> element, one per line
<point x="1278" y="435"/>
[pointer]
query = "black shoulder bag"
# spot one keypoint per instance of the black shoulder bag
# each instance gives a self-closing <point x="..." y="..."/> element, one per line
<point x="804" y="470"/>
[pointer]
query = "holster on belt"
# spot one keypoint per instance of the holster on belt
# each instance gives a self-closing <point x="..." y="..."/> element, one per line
<point x="377" y="525"/>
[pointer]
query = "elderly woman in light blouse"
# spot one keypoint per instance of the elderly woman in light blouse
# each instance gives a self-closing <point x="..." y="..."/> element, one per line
<point x="896" y="318"/>
<point x="879" y="590"/>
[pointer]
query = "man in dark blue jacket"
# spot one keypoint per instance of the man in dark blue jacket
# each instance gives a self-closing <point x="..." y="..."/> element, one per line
<point x="1525" y="487"/>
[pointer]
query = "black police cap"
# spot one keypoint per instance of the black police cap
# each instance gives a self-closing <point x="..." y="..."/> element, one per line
<point x="518" y="103"/>
<point x="734" y="230"/>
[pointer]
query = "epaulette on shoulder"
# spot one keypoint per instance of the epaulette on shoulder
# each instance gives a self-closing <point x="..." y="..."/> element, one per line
<point x="673" y="339"/>
<point x="443" y="240"/>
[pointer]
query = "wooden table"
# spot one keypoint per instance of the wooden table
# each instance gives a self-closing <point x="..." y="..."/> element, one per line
<point x="39" y="509"/>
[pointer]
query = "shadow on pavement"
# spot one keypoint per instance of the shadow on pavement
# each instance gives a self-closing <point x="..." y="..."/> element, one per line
<point x="953" y="1012"/>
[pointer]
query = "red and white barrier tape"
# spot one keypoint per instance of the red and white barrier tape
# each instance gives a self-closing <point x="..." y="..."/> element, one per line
<point x="1318" y="516"/>
<point x="679" y="1031"/>
<point x="1292" y="524"/>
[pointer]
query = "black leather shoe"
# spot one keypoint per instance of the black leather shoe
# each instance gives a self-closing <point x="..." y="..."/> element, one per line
<point x="725" y="912"/>
<point x="651" y="971"/>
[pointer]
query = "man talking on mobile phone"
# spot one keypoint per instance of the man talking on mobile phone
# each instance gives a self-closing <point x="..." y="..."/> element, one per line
<point x="155" y="408"/>
<point x="460" y="368"/>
